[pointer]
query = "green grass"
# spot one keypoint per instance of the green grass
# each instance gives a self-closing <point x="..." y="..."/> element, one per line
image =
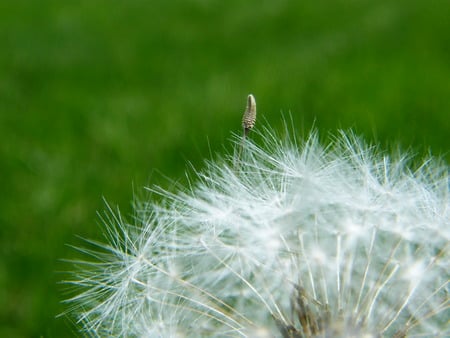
<point x="98" y="96"/>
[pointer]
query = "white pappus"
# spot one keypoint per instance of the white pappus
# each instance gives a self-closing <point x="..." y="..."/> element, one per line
<point x="297" y="240"/>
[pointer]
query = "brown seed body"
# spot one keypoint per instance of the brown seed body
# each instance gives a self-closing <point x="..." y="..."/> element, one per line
<point x="249" y="118"/>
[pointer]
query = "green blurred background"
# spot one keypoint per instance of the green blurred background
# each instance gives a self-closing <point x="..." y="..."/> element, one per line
<point x="99" y="98"/>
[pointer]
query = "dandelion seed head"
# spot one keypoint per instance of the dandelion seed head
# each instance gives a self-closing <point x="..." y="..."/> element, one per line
<point x="339" y="240"/>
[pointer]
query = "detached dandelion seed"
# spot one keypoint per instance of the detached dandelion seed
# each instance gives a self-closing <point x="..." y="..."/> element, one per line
<point x="335" y="240"/>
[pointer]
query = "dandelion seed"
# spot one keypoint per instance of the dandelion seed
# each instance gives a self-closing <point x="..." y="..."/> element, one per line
<point x="248" y="122"/>
<point x="249" y="118"/>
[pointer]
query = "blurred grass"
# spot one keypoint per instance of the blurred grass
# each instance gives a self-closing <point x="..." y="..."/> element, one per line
<point x="98" y="95"/>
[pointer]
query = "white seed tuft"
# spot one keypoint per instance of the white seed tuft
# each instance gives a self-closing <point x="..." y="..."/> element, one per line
<point x="301" y="240"/>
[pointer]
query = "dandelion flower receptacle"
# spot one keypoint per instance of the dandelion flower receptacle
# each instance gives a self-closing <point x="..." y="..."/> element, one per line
<point x="299" y="240"/>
